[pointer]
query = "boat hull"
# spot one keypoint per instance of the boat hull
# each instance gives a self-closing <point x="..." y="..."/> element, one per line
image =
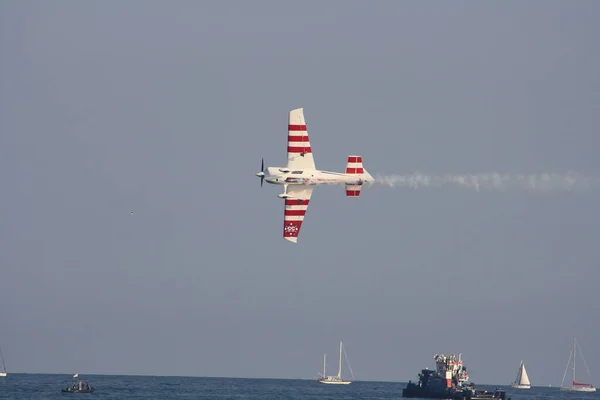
<point x="2" y="373"/>
<point x="336" y="382"/>
<point x="432" y="395"/>
<point x="579" y="389"/>
<point x="69" y="390"/>
<point x="521" y="386"/>
<point x="415" y="391"/>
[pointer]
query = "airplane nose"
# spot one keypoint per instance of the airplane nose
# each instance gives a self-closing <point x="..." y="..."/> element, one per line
<point x="261" y="175"/>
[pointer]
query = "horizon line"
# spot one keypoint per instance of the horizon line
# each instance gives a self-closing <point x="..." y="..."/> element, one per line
<point x="225" y="377"/>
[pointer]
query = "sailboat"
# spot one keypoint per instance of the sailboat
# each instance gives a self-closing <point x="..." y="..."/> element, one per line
<point x="576" y="386"/>
<point x="333" y="380"/>
<point x="3" y="372"/>
<point x="522" y="380"/>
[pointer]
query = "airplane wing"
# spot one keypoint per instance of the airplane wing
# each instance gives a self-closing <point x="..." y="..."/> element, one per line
<point x="299" y="152"/>
<point x="295" y="209"/>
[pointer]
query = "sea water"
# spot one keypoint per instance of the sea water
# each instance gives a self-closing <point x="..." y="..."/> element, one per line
<point x="46" y="386"/>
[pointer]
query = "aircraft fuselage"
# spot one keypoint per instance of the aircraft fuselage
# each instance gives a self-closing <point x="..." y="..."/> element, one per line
<point x="285" y="176"/>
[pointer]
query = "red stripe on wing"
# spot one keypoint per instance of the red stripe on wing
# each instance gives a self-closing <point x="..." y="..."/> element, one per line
<point x="296" y="202"/>
<point x="292" y="149"/>
<point x="296" y="127"/>
<point x="298" y="138"/>
<point x="295" y="212"/>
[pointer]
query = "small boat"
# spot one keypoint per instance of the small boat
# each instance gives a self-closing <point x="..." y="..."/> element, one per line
<point x="522" y="380"/>
<point x="3" y="372"/>
<point x="333" y="380"/>
<point x="497" y="394"/>
<point x="576" y="386"/>
<point x="79" y="386"/>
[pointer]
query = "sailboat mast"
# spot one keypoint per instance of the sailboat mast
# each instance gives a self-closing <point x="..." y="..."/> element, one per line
<point x="574" y="356"/>
<point x="520" y="373"/>
<point x="324" y="363"/>
<point x="340" y="369"/>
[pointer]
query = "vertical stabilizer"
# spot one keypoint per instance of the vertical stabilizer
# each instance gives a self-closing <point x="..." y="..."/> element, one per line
<point x="354" y="167"/>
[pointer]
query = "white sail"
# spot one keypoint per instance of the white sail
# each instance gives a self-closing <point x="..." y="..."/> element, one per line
<point x="524" y="377"/>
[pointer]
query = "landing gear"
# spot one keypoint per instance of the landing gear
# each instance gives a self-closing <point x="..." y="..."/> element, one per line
<point x="284" y="195"/>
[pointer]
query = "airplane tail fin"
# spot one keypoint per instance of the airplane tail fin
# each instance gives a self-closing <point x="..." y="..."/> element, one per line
<point x="355" y="167"/>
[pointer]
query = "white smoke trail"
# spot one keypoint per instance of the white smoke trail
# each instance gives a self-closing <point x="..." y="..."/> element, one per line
<point x="543" y="182"/>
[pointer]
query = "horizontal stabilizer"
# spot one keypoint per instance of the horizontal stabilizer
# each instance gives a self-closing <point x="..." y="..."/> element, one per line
<point x="353" y="190"/>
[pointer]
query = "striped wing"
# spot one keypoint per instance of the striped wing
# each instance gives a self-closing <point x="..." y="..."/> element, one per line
<point x="299" y="152"/>
<point x="295" y="210"/>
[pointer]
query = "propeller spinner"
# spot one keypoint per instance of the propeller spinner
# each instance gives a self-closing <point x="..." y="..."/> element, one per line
<point x="261" y="174"/>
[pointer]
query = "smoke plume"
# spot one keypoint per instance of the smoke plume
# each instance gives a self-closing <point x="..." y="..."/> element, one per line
<point x="542" y="182"/>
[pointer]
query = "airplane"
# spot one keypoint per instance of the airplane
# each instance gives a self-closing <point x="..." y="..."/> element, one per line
<point x="300" y="176"/>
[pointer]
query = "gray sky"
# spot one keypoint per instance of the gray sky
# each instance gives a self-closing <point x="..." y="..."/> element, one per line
<point x="164" y="109"/>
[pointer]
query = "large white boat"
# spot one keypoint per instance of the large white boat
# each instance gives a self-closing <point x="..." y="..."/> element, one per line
<point x="522" y="380"/>
<point x="333" y="380"/>
<point x="576" y="386"/>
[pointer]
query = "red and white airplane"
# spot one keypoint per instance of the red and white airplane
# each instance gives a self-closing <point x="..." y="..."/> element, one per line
<point x="300" y="176"/>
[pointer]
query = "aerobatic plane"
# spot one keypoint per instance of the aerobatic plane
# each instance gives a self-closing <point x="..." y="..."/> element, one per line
<point x="300" y="176"/>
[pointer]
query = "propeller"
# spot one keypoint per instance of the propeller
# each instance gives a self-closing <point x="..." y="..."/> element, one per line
<point x="261" y="174"/>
